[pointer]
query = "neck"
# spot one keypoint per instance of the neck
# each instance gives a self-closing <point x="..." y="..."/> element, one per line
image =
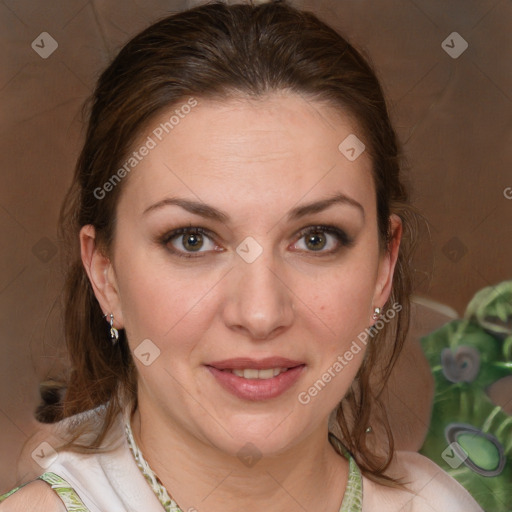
<point x="197" y="476"/>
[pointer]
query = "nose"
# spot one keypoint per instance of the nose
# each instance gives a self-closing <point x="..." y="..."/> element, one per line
<point x="259" y="302"/>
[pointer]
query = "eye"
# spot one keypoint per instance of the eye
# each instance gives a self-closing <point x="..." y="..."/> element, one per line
<point x="188" y="240"/>
<point x="318" y="238"/>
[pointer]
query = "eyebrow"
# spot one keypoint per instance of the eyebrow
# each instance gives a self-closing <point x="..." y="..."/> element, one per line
<point x="207" y="211"/>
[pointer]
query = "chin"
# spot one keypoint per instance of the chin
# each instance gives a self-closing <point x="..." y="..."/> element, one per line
<point x="266" y="436"/>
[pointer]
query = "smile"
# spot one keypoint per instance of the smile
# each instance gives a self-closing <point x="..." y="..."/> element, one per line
<point x="257" y="384"/>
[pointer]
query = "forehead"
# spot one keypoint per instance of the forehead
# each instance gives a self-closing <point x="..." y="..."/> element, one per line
<point x="281" y="147"/>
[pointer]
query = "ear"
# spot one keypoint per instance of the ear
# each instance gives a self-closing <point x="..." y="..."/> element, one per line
<point x="101" y="275"/>
<point x="387" y="263"/>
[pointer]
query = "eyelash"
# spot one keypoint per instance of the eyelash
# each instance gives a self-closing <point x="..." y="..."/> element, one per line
<point x="343" y="238"/>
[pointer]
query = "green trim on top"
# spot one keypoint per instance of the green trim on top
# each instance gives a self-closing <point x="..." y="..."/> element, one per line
<point x="64" y="491"/>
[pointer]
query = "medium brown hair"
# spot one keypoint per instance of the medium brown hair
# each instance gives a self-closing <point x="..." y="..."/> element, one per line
<point x="221" y="51"/>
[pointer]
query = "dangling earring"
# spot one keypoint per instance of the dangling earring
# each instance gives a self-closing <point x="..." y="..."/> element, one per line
<point x="376" y="313"/>
<point x="114" y="333"/>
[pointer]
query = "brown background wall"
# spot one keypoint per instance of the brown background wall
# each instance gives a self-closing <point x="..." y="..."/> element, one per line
<point x="453" y="117"/>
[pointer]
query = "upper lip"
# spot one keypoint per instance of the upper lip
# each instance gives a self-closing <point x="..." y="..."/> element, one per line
<point x="241" y="363"/>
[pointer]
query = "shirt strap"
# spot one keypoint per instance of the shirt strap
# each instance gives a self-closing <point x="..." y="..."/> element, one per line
<point x="62" y="488"/>
<point x="353" y="498"/>
<point x="66" y="493"/>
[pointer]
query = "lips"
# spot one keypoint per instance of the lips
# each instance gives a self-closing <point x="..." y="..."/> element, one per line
<point x="252" y="379"/>
<point x="243" y="363"/>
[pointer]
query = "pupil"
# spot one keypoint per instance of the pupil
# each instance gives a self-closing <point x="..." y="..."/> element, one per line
<point x="313" y="239"/>
<point x="192" y="241"/>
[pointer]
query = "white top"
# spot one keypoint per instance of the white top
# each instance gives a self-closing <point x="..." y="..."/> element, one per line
<point x="112" y="482"/>
<point x="107" y="482"/>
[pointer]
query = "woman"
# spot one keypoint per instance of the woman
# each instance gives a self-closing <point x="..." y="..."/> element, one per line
<point x="236" y="287"/>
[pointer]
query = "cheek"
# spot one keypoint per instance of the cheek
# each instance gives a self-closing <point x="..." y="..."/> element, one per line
<point x="164" y="305"/>
<point x="340" y="315"/>
<point x="342" y="301"/>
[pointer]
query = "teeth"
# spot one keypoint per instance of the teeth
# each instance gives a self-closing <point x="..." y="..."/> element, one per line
<point x="251" y="373"/>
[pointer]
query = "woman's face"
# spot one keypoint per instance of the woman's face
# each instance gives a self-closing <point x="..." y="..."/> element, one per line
<point x="252" y="290"/>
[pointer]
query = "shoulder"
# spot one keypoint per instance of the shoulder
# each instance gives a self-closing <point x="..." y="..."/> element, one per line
<point x="37" y="496"/>
<point x="428" y="488"/>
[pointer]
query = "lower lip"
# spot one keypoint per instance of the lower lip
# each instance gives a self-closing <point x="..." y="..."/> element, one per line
<point x="257" y="389"/>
